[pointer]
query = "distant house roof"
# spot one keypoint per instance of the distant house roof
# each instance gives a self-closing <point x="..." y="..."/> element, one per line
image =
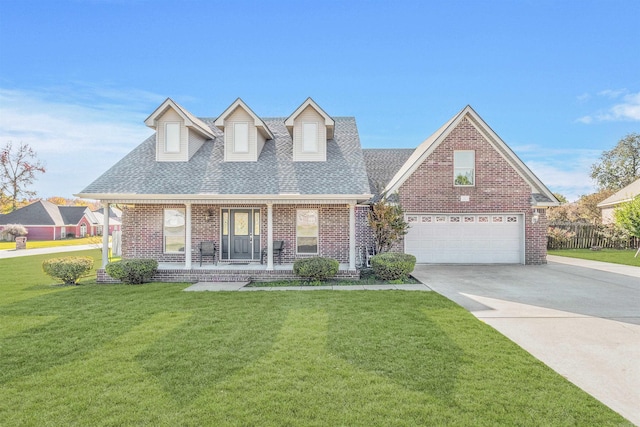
<point x="43" y="212"/>
<point x="624" y="195"/>
<point x="207" y="174"/>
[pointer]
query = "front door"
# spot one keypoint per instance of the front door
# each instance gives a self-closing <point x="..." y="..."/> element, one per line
<point x="241" y="234"/>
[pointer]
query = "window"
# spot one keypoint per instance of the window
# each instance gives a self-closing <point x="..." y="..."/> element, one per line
<point x="241" y="137"/>
<point x="464" y="172"/>
<point x="174" y="230"/>
<point x="307" y="231"/>
<point x="172" y="137"/>
<point x="310" y="137"/>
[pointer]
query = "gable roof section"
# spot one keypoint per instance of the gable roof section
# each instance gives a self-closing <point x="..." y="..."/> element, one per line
<point x="626" y="194"/>
<point x="541" y="195"/>
<point x="239" y="103"/>
<point x="207" y="176"/>
<point x="328" y="121"/>
<point x="382" y="164"/>
<point x="189" y="119"/>
<point x="40" y="212"/>
<point x="73" y="214"/>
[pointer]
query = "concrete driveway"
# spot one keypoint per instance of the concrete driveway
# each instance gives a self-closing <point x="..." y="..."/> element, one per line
<point x="576" y="317"/>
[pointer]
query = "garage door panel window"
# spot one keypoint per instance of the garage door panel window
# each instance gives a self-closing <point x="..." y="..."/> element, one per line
<point x="464" y="168"/>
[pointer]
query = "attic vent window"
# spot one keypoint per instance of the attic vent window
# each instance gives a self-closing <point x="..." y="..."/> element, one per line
<point x="172" y="137"/>
<point x="310" y="137"/>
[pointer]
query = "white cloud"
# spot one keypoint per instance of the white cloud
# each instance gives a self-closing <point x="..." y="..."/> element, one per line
<point x="563" y="170"/>
<point x="78" y="132"/>
<point x="626" y="110"/>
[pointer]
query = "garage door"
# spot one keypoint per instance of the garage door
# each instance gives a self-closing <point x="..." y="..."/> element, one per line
<point x="466" y="238"/>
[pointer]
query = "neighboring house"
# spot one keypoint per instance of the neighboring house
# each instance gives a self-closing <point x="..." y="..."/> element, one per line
<point x="47" y="221"/>
<point x="245" y="182"/>
<point x="115" y="220"/>
<point x="608" y="205"/>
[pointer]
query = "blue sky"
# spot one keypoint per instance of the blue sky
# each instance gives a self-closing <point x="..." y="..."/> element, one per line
<point x="559" y="81"/>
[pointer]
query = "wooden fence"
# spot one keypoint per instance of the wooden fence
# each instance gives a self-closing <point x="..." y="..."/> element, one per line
<point x="586" y="236"/>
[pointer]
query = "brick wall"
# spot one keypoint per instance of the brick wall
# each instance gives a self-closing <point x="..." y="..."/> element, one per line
<point x="142" y="230"/>
<point x="498" y="187"/>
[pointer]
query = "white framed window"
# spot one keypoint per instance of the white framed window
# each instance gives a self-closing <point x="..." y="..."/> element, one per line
<point x="310" y="137"/>
<point x="307" y="226"/>
<point x="174" y="230"/>
<point x="241" y="137"/>
<point x="172" y="137"/>
<point x="464" y="168"/>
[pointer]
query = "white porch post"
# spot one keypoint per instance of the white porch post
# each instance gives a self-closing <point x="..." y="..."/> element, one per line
<point x="105" y="234"/>
<point x="269" y="236"/>
<point x="352" y="236"/>
<point x="187" y="243"/>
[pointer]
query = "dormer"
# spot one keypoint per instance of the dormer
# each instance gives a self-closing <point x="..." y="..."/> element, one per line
<point x="244" y="133"/>
<point x="310" y="128"/>
<point x="179" y="134"/>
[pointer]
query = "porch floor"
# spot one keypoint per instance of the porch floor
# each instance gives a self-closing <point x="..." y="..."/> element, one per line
<point x="232" y="267"/>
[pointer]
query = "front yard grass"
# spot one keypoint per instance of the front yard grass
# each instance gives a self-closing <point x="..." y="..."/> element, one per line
<point x="155" y="355"/>
<point x="616" y="256"/>
<point x="95" y="240"/>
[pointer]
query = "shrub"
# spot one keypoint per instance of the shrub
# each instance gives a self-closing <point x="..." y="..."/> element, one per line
<point x="559" y="237"/>
<point x="132" y="271"/>
<point x="14" y="230"/>
<point x="392" y="266"/>
<point x="316" y="268"/>
<point x="68" y="269"/>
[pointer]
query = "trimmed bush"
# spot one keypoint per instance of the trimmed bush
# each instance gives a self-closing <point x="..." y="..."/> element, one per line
<point x="68" y="269"/>
<point x="132" y="271"/>
<point x="392" y="266"/>
<point x="316" y="268"/>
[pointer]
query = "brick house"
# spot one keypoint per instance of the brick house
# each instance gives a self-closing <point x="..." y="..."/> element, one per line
<point x="47" y="221"/>
<point x="244" y="182"/>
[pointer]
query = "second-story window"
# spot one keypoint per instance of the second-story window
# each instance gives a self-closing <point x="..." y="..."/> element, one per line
<point x="310" y="137"/>
<point x="172" y="137"/>
<point x="241" y="137"/>
<point x="464" y="168"/>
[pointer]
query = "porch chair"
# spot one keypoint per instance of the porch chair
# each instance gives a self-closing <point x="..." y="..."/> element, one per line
<point x="278" y="247"/>
<point x="208" y="248"/>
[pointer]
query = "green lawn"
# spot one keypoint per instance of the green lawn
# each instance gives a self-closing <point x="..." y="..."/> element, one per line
<point x="606" y="255"/>
<point x="97" y="240"/>
<point x="154" y="355"/>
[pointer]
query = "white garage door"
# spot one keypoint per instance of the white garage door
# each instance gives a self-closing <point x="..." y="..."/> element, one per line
<point x="466" y="238"/>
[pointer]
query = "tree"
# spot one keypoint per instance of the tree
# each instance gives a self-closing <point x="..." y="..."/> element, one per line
<point x="563" y="200"/>
<point x="18" y="168"/>
<point x="627" y="216"/>
<point x="584" y="210"/>
<point x="620" y="166"/>
<point x="14" y="230"/>
<point x="388" y="224"/>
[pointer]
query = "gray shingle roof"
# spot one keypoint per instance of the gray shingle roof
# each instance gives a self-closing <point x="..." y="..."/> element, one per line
<point x="43" y="212"/>
<point x="382" y="164"/>
<point x="274" y="173"/>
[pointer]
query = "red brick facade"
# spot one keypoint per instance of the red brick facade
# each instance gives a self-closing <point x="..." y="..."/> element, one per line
<point x="498" y="187"/>
<point x="142" y="227"/>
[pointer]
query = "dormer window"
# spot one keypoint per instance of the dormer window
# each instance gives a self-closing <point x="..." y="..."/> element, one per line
<point x="310" y="137"/>
<point x="241" y="137"/>
<point x="310" y="129"/>
<point x="172" y="137"/>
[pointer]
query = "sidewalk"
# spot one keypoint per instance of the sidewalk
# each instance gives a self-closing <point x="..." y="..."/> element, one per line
<point x="627" y="270"/>
<point x="12" y="253"/>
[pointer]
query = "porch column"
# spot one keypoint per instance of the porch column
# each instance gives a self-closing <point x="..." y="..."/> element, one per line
<point x="105" y="234"/>
<point x="269" y="236"/>
<point x="352" y="237"/>
<point x="187" y="232"/>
